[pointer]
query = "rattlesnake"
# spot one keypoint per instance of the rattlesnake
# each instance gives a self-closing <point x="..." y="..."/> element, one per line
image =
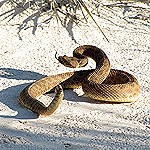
<point x="101" y="83"/>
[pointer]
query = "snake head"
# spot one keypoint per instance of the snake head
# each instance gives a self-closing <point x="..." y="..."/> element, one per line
<point x="71" y="62"/>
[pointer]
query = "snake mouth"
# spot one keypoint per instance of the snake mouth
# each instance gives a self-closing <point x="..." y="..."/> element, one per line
<point x="70" y="62"/>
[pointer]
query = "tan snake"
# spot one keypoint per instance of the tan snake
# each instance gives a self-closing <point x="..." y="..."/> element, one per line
<point x="101" y="83"/>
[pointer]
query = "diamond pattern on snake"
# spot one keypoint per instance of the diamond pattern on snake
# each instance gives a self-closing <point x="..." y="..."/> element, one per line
<point x="101" y="83"/>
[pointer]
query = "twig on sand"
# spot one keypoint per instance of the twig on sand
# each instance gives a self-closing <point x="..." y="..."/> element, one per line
<point x="87" y="10"/>
<point x="53" y="6"/>
<point x="82" y="5"/>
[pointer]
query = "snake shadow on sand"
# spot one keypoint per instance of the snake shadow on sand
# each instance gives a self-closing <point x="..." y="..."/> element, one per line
<point x="9" y="96"/>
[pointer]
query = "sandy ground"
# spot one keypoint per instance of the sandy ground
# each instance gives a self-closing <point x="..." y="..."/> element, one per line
<point x="79" y="123"/>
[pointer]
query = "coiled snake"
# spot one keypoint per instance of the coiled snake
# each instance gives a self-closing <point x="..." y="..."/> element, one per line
<point x="101" y="83"/>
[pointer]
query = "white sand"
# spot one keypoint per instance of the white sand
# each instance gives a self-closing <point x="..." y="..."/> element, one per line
<point x="78" y="123"/>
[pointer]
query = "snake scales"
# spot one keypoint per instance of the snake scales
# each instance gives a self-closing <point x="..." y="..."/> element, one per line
<point x="101" y="83"/>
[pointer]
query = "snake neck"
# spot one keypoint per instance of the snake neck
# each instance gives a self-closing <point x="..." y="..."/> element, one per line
<point x="102" y="63"/>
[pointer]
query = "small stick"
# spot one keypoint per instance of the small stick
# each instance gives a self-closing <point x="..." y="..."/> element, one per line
<point x="84" y="6"/>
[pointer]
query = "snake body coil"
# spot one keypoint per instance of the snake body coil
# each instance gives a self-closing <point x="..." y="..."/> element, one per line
<point x="101" y="83"/>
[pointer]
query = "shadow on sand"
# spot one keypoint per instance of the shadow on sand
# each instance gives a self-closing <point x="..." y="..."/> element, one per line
<point x="40" y="8"/>
<point x="9" y="96"/>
